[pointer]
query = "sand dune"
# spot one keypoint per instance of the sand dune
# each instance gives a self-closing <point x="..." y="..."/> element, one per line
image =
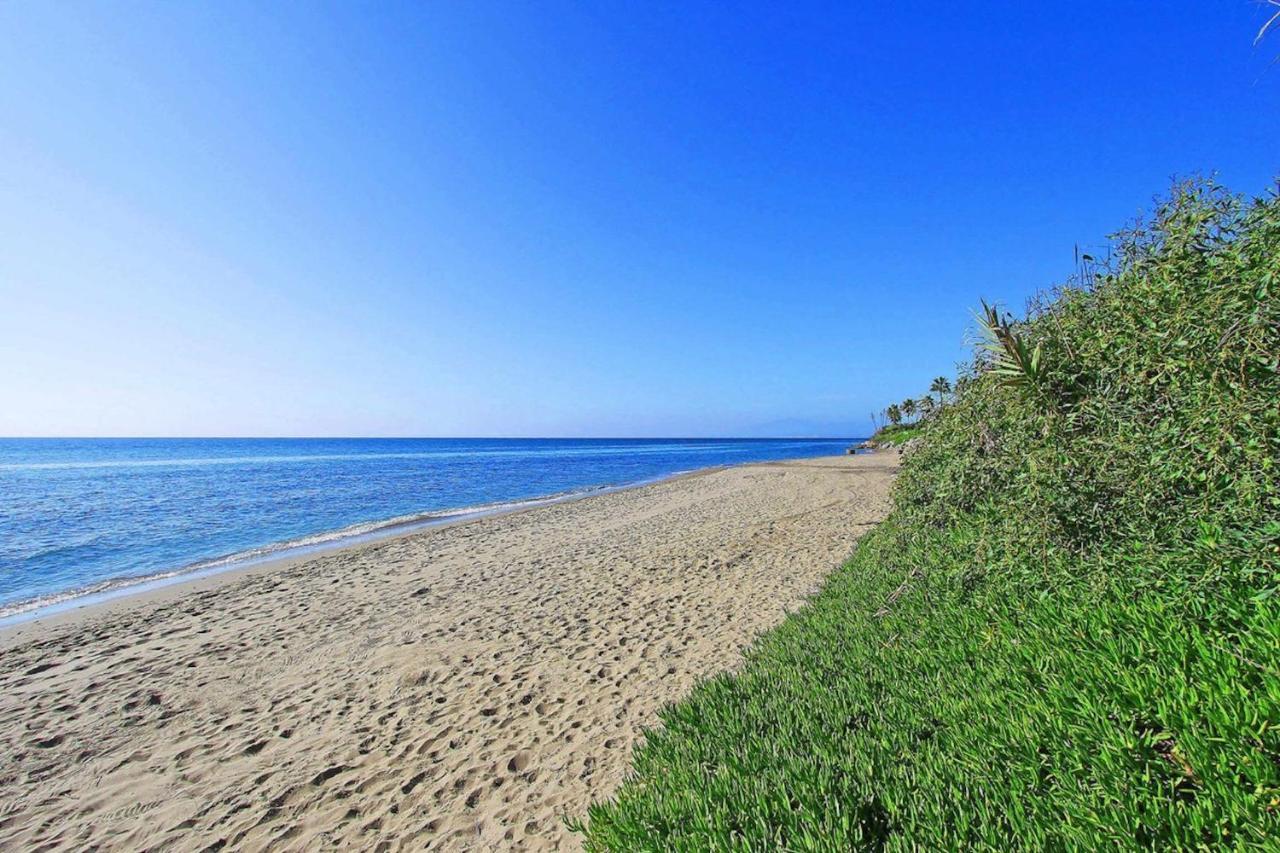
<point x="461" y="688"/>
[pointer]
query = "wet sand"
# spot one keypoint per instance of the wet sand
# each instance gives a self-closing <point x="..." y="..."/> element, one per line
<point x="463" y="687"/>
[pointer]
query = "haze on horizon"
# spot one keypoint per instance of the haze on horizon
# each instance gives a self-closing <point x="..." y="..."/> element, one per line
<point x="485" y="219"/>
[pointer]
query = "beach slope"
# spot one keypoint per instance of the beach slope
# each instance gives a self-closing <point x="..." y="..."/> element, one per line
<point x="463" y="687"/>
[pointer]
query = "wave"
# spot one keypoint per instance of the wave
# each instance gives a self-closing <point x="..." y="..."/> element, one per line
<point x="296" y="547"/>
<point x="603" y="450"/>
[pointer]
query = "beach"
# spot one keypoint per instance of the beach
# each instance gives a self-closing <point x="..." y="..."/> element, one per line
<point x="463" y="687"/>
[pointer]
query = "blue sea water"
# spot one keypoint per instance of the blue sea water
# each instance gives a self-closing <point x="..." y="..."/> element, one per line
<point x="81" y="516"/>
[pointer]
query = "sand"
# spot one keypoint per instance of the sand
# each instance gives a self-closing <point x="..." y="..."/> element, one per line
<point x="460" y="688"/>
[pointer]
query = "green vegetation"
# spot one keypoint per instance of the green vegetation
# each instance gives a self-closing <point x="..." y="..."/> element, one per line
<point x="896" y="413"/>
<point x="893" y="435"/>
<point x="1067" y="633"/>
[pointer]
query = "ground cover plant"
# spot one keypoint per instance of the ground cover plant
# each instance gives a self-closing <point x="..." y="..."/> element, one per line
<point x="1067" y="633"/>
<point x="892" y="435"/>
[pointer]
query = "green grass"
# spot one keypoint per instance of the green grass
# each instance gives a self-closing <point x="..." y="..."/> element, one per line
<point x="896" y="434"/>
<point x="1067" y="633"/>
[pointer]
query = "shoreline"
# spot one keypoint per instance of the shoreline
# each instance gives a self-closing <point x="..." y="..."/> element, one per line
<point x="466" y="686"/>
<point x="279" y="554"/>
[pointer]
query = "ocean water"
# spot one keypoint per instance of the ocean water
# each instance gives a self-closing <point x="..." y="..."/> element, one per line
<point x="82" y="517"/>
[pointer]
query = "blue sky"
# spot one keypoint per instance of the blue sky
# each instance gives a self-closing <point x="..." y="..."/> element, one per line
<point x="570" y="219"/>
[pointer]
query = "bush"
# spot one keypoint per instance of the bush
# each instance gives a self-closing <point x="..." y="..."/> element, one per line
<point x="896" y="435"/>
<point x="1067" y="633"/>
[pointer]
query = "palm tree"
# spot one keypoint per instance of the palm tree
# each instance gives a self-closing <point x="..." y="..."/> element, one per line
<point x="894" y="414"/>
<point x="942" y="387"/>
<point x="925" y="405"/>
<point x="908" y="407"/>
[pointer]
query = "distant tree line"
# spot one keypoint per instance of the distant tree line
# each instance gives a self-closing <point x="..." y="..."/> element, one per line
<point x="913" y="409"/>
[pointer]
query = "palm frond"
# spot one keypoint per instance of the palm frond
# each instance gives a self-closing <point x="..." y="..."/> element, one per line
<point x="1012" y="358"/>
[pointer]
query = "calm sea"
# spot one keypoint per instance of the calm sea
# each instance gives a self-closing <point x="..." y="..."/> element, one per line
<point x="82" y="517"/>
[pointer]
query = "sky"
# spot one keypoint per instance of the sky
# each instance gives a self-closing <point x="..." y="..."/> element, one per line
<point x="571" y="219"/>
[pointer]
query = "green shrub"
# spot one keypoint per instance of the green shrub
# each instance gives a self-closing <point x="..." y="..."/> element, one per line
<point x="1067" y="633"/>
<point x="893" y="435"/>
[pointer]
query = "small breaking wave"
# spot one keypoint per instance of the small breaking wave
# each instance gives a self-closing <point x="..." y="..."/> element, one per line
<point x="289" y="548"/>
<point x="312" y="458"/>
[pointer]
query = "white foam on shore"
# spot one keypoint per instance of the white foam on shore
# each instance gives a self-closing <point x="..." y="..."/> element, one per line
<point x="45" y="605"/>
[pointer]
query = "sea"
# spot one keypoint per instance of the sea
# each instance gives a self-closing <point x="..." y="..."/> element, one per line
<point x="89" y="519"/>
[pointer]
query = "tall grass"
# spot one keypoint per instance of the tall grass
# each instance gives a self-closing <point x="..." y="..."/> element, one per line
<point x="1067" y="633"/>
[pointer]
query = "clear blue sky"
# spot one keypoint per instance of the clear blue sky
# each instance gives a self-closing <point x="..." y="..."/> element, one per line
<point x="570" y="219"/>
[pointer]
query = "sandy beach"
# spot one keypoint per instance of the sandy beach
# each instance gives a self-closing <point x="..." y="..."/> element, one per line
<point x="459" y="688"/>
